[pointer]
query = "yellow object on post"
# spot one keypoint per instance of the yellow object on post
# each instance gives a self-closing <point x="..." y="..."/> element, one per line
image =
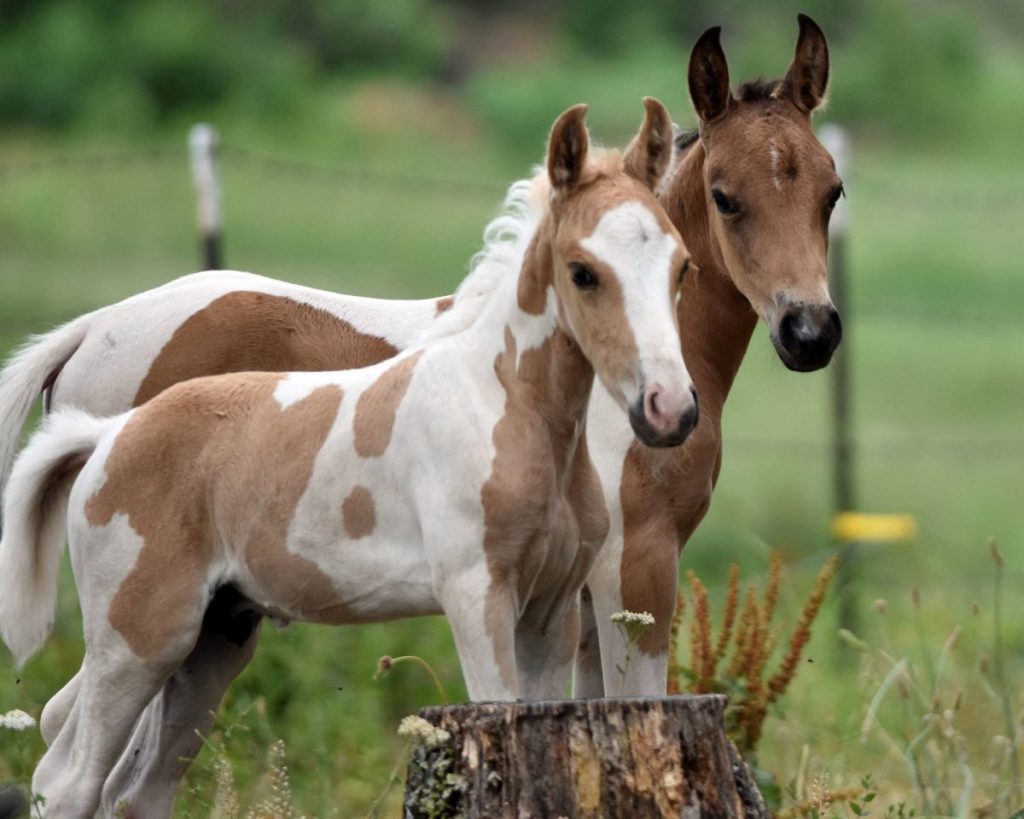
<point x="848" y="527"/>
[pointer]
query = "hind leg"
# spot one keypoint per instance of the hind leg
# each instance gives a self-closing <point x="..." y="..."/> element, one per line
<point x="115" y="687"/>
<point x="145" y="779"/>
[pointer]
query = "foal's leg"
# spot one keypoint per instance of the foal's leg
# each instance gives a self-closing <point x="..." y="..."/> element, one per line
<point x="58" y="709"/>
<point x="167" y="736"/>
<point x="115" y="687"/>
<point x="115" y="683"/>
<point x="634" y="669"/>
<point x="587" y="681"/>
<point x="546" y="644"/>
<point x="482" y="616"/>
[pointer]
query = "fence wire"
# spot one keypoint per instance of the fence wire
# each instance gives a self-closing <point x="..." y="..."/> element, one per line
<point x="306" y="171"/>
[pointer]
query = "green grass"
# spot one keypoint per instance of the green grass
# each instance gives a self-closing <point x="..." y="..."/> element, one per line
<point x="937" y="399"/>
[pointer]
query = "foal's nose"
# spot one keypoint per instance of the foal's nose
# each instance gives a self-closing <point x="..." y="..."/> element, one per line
<point x="670" y="416"/>
<point x="810" y="334"/>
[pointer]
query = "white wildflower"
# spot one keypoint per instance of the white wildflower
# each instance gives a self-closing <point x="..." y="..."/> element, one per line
<point x="16" y="721"/>
<point x="419" y="730"/>
<point x="633" y="618"/>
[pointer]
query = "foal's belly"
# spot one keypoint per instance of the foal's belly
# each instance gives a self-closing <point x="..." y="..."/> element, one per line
<point x="339" y="582"/>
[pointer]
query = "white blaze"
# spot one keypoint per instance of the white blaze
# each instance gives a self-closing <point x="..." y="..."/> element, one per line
<point x="630" y="240"/>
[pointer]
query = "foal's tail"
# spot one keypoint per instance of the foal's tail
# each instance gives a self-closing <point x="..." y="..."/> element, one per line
<point x="35" y="511"/>
<point x="29" y="372"/>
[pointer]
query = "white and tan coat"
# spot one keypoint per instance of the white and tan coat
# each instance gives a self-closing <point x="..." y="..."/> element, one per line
<point x="451" y="478"/>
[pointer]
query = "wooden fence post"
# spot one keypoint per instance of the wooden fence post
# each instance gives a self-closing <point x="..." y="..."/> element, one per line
<point x="202" y="149"/>
<point x="835" y="139"/>
<point x="652" y="757"/>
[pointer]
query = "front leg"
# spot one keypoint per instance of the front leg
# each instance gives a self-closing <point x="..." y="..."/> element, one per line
<point x="587" y="681"/>
<point x="545" y="649"/>
<point x="645" y="582"/>
<point x="483" y="614"/>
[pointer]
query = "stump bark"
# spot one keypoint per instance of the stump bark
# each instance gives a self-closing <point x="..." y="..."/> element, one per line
<point x="630" y="758"/>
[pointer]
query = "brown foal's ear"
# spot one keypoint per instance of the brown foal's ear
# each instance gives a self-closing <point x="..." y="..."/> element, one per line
<point x="709" y="76"/>
<point x="807" y="78"/>
<point x="567" y="149"/>
<point x="648" y="155"/>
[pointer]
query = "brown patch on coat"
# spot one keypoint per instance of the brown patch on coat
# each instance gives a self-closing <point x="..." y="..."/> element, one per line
<point x="443" y="305"/>
<point x="358" y="513"/>
<point x="247" y="331"/>
<point x="212" y="458"/>
<point x="375" y="413"/>
<point x="535" y="275"/>
<point x="541" y="481"/>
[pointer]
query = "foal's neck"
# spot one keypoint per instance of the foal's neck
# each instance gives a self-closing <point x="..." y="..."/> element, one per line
<point x="716" y="321"/>
<point x="542" y="367"/>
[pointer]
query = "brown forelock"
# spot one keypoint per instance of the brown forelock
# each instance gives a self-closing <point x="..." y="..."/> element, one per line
<point x="375" y="412"/>
<point x="779" y="241"/>
<point x="212" y="458"/>
<point x="532" y="475"/>
<point x="359" y="513"/>
<point x="444" y="304"/>
<point x="598" y="317"/>
<point x="247" y="331"/>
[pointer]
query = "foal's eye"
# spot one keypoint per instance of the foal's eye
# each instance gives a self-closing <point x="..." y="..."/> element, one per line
<point x="725" y="205"/>
<point x="833" y="198"/>
<point x="582" y="276"/>
<point x="682" y="270"/>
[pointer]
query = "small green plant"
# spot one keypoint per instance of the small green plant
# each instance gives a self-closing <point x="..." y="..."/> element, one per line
<point x="385" y="665"/>
<point x="748" y="640"/>
<point x="631" y="625"/>
<point x="18" y="722"/>
<point x="432" y="784"/>
<point x="934" y="711"/>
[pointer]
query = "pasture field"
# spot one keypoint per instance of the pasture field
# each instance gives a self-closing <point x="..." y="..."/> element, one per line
<point x="936" y="339"/>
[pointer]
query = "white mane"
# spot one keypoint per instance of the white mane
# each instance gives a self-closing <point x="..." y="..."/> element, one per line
<point x="506" y="240"/>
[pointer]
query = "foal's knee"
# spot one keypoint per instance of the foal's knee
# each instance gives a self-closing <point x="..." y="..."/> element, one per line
<point x="56" y="711"/>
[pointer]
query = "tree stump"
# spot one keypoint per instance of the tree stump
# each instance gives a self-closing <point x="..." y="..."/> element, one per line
<point x="630" y="758"/>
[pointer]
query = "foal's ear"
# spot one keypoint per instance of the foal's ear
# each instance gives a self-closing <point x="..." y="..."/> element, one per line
<point x="709" y="76"/>
<point x="648" y="155"/>
<point x="807" y="79"/>
<point x="567" y="149"/>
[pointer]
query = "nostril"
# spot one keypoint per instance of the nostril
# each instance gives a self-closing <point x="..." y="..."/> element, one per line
<point x="651" y="402"/>
<point x="835" y="324"/>
<point x="788" y="329"/>
<point x="688" y="420"/>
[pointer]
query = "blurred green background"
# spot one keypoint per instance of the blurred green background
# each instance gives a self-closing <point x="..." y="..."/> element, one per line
<point x="365" y="146"/>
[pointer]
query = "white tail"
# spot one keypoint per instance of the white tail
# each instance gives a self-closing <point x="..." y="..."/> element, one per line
<point x="23" y="379"/>
<point x="35" y="510"/>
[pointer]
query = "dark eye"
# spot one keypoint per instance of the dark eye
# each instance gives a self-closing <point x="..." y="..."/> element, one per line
<point x="833" y="198"/>
<point x="582" y="276"/>
<point x="725" y="205"/>
<point x="683" y="269"/>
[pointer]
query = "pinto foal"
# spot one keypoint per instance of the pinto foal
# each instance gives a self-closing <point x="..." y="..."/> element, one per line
<point x="452" y="478"/>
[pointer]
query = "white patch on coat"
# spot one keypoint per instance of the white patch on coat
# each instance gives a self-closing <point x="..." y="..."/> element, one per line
<point x="775" y="167"/>
<point x="294" y="387"/>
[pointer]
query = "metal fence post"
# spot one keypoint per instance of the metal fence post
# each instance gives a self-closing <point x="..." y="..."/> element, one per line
<point x="202" y="149"/>
<point x="836" y="141"/>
